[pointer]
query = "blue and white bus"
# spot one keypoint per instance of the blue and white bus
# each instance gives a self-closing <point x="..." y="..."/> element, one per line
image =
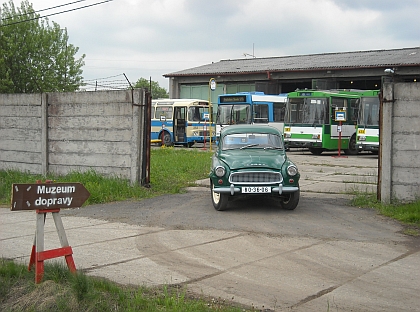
<point x="181" y="121"/>
<point x="250" y="108"/>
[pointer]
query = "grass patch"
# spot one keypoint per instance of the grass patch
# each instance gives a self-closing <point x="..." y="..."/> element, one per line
<point x="407" y="213"/>
<point x="64" y="291"/>
<point x="171" y="170"/>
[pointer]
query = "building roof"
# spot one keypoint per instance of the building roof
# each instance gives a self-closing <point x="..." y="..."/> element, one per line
<point x="343" y="60"/>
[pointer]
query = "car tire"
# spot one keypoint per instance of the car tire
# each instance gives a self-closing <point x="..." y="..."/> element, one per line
<point x="219" y="200"/>
<point x="290" y="200"/>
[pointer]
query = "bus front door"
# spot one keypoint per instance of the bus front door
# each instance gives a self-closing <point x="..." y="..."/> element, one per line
<point x="180" y="117"/>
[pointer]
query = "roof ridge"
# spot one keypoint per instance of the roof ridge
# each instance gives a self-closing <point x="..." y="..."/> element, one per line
<point x="320" y="54"/>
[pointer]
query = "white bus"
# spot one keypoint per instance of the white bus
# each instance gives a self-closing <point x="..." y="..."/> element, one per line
<point x="181" y="121"/>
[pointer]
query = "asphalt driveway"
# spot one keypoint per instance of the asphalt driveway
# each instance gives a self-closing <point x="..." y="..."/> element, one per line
<point x="323" y="256"/>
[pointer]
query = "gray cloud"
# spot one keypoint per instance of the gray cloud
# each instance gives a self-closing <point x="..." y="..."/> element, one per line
<point x="153" y="37"/>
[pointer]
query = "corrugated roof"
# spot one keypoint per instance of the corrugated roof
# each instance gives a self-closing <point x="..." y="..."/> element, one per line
<point x="358" y="59"/>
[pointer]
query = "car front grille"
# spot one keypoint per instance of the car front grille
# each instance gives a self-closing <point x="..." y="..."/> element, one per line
<point x="256" y="177"/>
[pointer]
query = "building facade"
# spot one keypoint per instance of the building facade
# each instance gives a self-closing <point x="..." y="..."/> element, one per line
<point x="275" y="75"/>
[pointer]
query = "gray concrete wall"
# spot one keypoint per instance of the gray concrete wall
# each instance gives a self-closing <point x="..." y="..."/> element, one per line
<point x="21" y="145"/>
<point x="63" y="132"/>
<point x="399" y="160"/>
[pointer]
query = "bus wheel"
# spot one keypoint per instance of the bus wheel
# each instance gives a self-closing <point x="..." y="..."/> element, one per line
<point x="190" y="144"/>
<point x="316" y="151"/>
<point x="290" y="200"/>
<point x="219" y="200"/>
<point x="167" y="141"/>
<point x="352" y="150"/>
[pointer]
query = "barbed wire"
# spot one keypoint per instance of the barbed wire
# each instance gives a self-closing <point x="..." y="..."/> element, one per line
<point x="106" y="84"/>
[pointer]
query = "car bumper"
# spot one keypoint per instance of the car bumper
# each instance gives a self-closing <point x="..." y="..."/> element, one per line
<point x="280" y="189"/>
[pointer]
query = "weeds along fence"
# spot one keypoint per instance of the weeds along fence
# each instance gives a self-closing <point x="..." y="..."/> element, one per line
<point x="104" y="131"/>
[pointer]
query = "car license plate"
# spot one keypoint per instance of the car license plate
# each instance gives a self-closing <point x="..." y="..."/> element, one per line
<point x="256" y="189"/>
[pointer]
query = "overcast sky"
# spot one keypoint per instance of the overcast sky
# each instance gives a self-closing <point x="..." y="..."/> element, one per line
<point x="150" y="38"/>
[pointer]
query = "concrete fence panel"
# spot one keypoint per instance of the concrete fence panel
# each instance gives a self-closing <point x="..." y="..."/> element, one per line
<point x="79" y="131"/>
<point x="21" y="132"/>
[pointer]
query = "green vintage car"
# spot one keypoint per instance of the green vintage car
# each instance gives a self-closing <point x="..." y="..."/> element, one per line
<point x="250" y="160"/>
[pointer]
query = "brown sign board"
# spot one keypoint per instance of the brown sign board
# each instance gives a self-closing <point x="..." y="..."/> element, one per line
<point x="48" y="196"/>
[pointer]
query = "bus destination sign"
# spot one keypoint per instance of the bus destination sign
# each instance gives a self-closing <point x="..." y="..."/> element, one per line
<point x="48" y="196"/>
<point x="233" y="99"/>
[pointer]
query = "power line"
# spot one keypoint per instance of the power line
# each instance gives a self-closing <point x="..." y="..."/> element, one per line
<point x="54" y="7"/>
<point x="35" y="18"/>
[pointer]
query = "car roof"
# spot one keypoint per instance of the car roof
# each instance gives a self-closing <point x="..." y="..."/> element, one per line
<point x="249" y="128"/>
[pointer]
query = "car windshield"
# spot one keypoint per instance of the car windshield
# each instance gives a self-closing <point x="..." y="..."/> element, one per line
<point x="252" y="140"/>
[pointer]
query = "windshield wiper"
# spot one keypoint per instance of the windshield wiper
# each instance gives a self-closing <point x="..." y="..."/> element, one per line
<point x="249" y="145"/>
<point x="273" y="147"/>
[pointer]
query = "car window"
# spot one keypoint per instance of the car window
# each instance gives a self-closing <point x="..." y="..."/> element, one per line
<point x="252" y="140"/>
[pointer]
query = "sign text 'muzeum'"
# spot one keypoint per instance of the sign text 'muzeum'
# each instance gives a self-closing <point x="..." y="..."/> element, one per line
<point x="46" y="189"/>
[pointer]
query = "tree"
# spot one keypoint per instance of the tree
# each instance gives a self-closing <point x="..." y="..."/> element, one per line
<point x="157" y="91"/>
<point x="37" y="55"/>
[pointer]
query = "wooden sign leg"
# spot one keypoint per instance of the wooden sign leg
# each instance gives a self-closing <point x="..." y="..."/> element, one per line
<point x="39" y="247"/>
<point x="64" y="242"/>
<point x="38" y="254"/>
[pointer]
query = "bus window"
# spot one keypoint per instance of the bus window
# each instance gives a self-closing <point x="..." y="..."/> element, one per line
<point x="240" y="114"/>
<point x="315" y="111"/>
<point x="165" y="111"/>
<point x="369" y="112"/>
<point x="295" y="110"/>
<point x="338" y="102"/>
<point x="261" y="113"/>
<point x="354" y="109"/>
<point x="375" y="114"/>
<point x="279" y="112"/>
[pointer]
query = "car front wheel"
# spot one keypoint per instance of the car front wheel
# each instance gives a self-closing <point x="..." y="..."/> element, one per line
<point x="290" y="201"/>
<point x="219" y="200"/>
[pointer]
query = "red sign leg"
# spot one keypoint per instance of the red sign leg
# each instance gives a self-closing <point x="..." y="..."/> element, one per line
<point x="38" y="255"/>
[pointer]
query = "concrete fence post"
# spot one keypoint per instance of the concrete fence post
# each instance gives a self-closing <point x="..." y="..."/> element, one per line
<point x="135" y="173"/>
<point x="44" y="134"/>
<point x="385" y="143"/>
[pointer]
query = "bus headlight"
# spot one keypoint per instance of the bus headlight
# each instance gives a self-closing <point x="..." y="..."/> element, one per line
<point x="287" y="135"/>
<point x="362" y="138"/>
<point x="292" y="170"/>
<point x="316" y="136"/>
<point x="220" y="171"/>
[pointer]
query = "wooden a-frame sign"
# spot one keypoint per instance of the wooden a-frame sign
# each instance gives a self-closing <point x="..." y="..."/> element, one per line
<point x="48" y="197"/>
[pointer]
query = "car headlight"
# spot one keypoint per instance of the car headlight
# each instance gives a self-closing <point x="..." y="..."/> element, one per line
<point x="292" y="170"/>
<point x="220" y="171"/>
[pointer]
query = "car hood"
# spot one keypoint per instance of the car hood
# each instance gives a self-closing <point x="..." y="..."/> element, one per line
<point x="253" y="158"/>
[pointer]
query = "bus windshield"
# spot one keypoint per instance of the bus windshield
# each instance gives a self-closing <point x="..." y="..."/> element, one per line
<point x="234" y="114"/>
<point x="307" y="110"/>
<point x="369" y="112"/>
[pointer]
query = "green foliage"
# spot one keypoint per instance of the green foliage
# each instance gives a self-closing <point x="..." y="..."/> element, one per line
<point x="171" y="170"/>
<point x="157" y="91"/>
<point x="37" y="54"/>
